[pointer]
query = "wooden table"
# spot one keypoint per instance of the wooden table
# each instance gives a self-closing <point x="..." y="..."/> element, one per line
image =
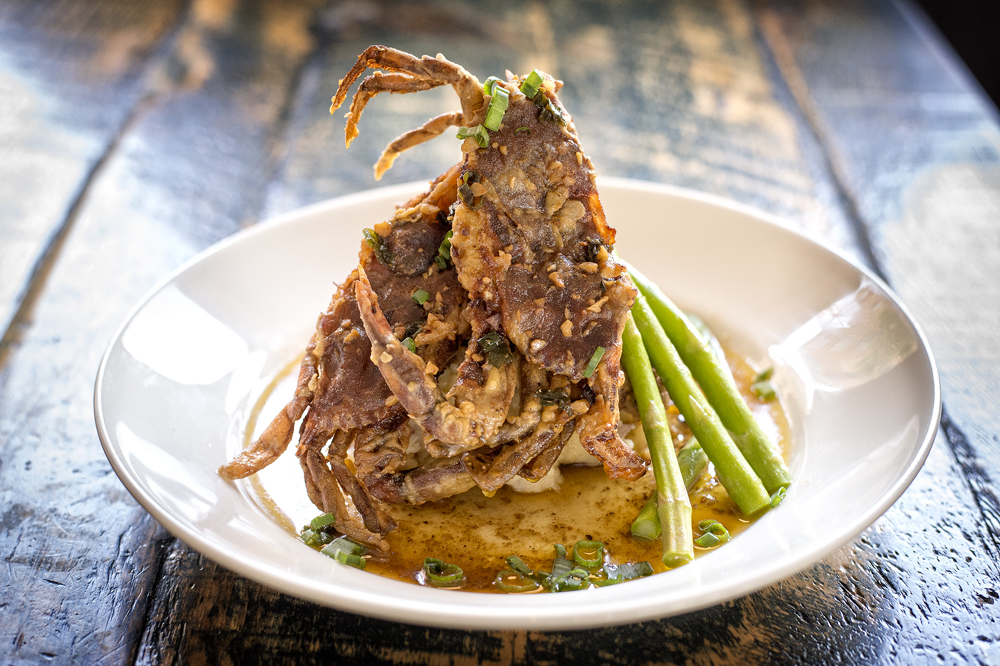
<point x="136" y="134"/>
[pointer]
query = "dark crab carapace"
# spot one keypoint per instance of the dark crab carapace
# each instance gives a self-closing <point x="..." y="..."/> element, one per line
<point x="531" y="290"/>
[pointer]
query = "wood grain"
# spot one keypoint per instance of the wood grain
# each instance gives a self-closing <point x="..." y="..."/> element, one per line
<point x="72" y="75"/>
<point x="840" y="117"/>
<point x="917" y="149"/>
<point x="81" y="559"/>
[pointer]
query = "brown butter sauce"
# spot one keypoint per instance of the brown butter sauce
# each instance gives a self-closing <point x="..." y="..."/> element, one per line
<point x="477" y="532"/>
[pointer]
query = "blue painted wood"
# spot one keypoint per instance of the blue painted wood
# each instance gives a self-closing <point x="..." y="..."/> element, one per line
<point x="840" y="117"/>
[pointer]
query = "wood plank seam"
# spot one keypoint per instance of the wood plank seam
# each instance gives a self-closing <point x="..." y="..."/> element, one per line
<point x="163" y="547"/>
<point x="283" y="125"/>
<point x="978" y="480"/>
<point x="778" y="49"/>
<point x="43" y="266"/>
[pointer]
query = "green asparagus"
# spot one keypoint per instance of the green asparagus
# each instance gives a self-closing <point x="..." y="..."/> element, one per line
<point x="673" y="505"/>
<point x="736" y="475"/>
<point x="720" y="389"/>
<point x="692" y="461"/>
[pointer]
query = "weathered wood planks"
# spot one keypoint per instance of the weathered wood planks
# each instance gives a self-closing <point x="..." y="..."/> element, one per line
<point x="917" y="149"/>
<point x="783" y="107"/>
<point x="72" y="76"/>
<point x="81" y="560"/>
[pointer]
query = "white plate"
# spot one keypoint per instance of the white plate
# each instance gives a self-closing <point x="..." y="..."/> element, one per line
<point x="176" y="384"/>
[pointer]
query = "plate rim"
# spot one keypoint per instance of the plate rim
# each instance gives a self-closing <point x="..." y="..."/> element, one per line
<point x="459" y="616"/>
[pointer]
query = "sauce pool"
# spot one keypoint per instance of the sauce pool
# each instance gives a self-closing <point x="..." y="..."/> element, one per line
<point x="477" y="532"/>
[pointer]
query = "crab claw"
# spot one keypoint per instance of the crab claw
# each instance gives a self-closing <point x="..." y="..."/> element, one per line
<point x="483" y="393"/>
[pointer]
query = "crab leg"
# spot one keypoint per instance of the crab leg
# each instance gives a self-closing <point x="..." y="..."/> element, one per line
<point x="543" y="462"/>
<point x="483" y="392"/>
<point x="432" y="128"/>
<point x="276" y="437"/>
<point x="325" y="492"/>
<point x="490" y="475"/>
<point x="417" y="74"/>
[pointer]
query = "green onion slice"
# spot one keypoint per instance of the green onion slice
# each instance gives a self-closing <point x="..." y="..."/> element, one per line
<point x="378" y="246"/>
<point x="560" y="550"/>
<point x="549" y="111"/>
<point x="420" y="296"/>
<point x="490" y="84"/>
<point x="715" y="534"/>
<point x="346" y="552"/>
<point x="565" y="576"/>
<point x="350" y="559"/>
<point x="410" y="344"/>
<point x="524" y="128"/>
<point x="518" y="565"/>
<point x="550" y="397"/>
<point x="625" y="572"/>
<point x="777" y="497"/>
<point x="707" y="540"/>
<point x="594" y="360"/>
<point x="629" y="571"/>
<point x="478" y="133"/>
<point x="531" y="83"/>
<point x="515" y="581"/>
<point x="322" y="520"/>
<point x="764" y="390"/>
<point x="762" y="387"/>
<point x="498" y="107"/>
<point x="443" y="257"/>
<point x="442" y="574"/>
<point x="589" y="554"/>
<point x="349" y="546"/>
<point x="496" y="349"/>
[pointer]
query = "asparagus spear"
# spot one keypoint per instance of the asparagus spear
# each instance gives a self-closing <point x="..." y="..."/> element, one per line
<point x="673" y="505"/>
<point x="692" y="462"/>
<point x="719" y="387"/>
<point x="736" y="475"/>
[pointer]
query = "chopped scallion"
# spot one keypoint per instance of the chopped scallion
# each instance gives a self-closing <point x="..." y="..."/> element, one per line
<point x="518" y="565"/>
<point x="515" y="581"/>
<point x="531" y="83"/>
<point x="777" y="497"/>
<point x="522" y="129"/>
<point x="594" y="360"/>
<point x="420" y="296"/>
<point x="489" y="85"/>
<point x="442" y="574"/>
<point x="410" y="344"/>
<point x="715" y="534"/>
<point x="350" y="559"/>
<point x="498" y="107"/>
<point x="589" y="554"/>
<point x="478" y="133"/>
<point x="762" y="387"/>
<point x="378" y="246"/>
<point x="443" y="257"/>
<point x="496" y="349"/>
<point x="629" y="571"/>
<point x="346" y="552"/>
<point x="322" y="520"/>
<point x="707" y="540"/>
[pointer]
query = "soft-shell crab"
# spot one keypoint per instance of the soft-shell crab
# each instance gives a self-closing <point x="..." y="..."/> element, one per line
<point x="529" y="288"/>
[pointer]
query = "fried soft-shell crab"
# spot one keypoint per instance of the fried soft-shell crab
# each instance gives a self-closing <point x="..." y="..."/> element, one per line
<point x="530" y="289"/>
